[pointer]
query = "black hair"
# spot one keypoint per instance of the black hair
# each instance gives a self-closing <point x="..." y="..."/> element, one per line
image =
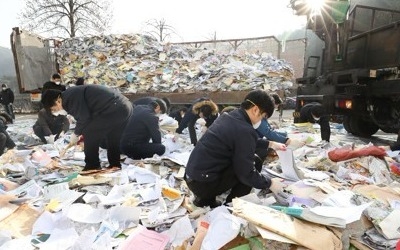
<point x="167" y="103"/>
<point x="277" y="99"/>
<point x="261" y="99"/>
<point x="49" y="98"/>
<point x="163" y="106"/>
<point x="56" y="76"/>
<point x="206" y="110"/>
<point x="80" y="81"/>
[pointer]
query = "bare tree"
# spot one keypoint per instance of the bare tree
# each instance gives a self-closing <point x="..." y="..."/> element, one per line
<point x="67" y="17"/>
<point x="159" y="29"/>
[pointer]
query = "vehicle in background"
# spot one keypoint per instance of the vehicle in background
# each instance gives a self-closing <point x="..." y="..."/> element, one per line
<point x="357" y="77"/>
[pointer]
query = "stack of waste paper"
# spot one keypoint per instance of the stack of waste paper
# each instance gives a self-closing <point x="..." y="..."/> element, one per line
<point x="338" y="193"/>
<point x="139" y="63"/>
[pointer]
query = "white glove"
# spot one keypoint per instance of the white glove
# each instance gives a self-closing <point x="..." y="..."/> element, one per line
<point x="276" y="185"/>
<point x="74" y="139"/>
<point x="277" y="146"/>
<point x="295" y="143"/>
<point x="50" y="139"/>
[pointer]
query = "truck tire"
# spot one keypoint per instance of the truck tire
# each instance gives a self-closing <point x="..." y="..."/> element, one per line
<point x="363" y="128"/>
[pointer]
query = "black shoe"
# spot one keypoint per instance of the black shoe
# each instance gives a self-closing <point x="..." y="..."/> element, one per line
<point x="212" y="203"/>
<point x="86" y="168"/>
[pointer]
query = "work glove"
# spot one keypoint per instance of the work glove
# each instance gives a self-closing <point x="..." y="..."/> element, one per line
<point x="277" y="185"/>
<point x="50" y="139"/>
<point x="73" y="139"/>
<point x="277" y="146"/>
<point x="295" y="143"/>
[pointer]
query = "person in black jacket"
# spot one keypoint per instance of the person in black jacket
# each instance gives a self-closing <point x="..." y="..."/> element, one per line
<point x="5" y="139"/>
<point x="101" y="113"/>
<point x="7" y="99"/>
<point x="178" y="114"/>
<point x="150" y="99"/>
<point x="201" y="108"/>
<point x="143" y="126"/>
<point x="54" y="83"/>
<point x="50" y="124"/>
<point x="314" y="113"/>
<point x="224" y="157"/>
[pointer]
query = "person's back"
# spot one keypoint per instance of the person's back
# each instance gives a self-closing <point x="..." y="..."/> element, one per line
<point x="142" y="127"/>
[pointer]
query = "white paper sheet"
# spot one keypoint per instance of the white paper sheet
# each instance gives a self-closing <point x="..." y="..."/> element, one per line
<point x="288" y="164"/>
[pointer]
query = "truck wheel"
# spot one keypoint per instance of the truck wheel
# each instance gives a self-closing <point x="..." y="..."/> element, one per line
<point x="362" y="128"/>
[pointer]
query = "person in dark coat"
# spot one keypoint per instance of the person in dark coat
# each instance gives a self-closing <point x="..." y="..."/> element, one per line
<point x="142" y="127"/>
<point x="50" y="124"/>
<point x="314" y="112"/>
<point x="178" y="114"/>
<point x="101" y="113"/>
<point x="54" y="83"/>
<point x="5" y="139"/>
<point x="201" y="108"/>
<point x="150" y="99"/>
<point x="224" y="157"/>
<point x="7" y="99"/>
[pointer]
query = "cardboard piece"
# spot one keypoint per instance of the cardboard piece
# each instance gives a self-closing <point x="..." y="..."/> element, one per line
<point x="20" y="223"/>
<point x="294" y="229"/>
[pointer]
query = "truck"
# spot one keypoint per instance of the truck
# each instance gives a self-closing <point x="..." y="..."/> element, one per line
<point x="37" y="58"/>
<point x="357" y="76"/>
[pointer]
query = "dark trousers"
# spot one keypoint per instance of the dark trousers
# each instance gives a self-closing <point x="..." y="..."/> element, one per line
<point x="207" y="191"/>
<point x="5" y="142"/>
<point x="9" y="110"/>
<point x="142" y="150"/>
<point x="39" y="132"/>
<point x="105" y="129"/>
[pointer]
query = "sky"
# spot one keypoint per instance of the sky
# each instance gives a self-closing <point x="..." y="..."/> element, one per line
<point x="192" y="20"/>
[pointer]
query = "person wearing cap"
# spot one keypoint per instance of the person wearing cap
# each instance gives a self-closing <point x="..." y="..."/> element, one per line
<point x="224" y="157"/>
<point x="201" y="108"/>
<point x="314" y="112"/>
<point x="54" y="83"/>
<point x="5" y="139"/>
<point x="142" y="127"/>
<point x="7" y="99"/>
<point x="101" y="113"/>
<point x="50" y="124"/>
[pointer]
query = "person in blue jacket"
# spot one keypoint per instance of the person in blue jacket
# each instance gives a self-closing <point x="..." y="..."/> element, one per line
<point x="267" y="131"/>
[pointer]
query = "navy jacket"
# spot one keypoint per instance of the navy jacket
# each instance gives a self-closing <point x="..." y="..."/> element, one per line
<point x="88" y="102"/>
<point x="306" y="116"/>
<point x="51" y="123"/>
<point x="230" y="142"/>
<point x="141" y="127"/>
<point x="53" y="85"/>
<point x="7" y="96"/>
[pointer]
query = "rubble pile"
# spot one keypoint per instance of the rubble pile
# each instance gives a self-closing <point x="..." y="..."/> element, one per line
<point x="139" y="63"/>
<point x="47" y="203"/>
